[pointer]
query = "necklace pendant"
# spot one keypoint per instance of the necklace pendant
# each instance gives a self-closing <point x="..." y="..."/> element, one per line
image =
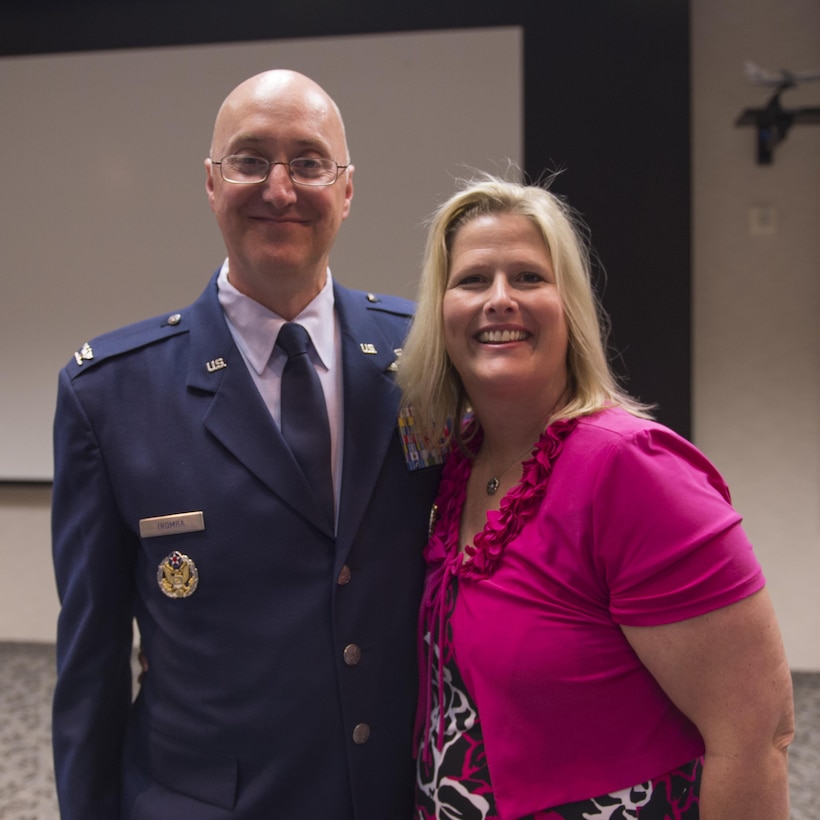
<point x="492" y="486"/>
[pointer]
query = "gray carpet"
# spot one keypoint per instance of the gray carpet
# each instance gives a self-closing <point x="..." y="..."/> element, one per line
<point x="27" y="777"/>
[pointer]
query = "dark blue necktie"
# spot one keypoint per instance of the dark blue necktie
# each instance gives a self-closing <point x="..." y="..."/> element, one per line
<point x="304" y="415"/>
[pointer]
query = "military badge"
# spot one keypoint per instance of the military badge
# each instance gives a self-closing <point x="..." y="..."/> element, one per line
<point x="394" y="365"/>
<point x="84" y="354"/>
<point x="177" y="575"/>
<point x="417" y="453"/>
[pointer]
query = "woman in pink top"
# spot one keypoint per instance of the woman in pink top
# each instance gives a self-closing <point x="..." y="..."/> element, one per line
<point x="596" y="640"/>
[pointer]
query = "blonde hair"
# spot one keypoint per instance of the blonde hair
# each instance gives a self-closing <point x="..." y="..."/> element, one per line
<point x="431" y="386"/>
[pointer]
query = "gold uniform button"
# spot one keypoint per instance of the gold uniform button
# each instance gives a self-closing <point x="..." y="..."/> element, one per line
<point x="361" y="733"/>
<point x="352" y="654"/>
<point x="344" y="576"/>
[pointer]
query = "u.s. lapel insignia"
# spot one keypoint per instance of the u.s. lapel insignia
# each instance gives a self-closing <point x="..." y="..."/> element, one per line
<point x="215" y="364"/>
<point x="84" y="354"/>
<point x="177" y="575"/>
<point x="368" y="347"/>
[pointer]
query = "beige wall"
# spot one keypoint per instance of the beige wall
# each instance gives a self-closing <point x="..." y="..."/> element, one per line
<point x="28" y="598"/>
<point x="756" y="333"/>
<point x="757" y="297"/>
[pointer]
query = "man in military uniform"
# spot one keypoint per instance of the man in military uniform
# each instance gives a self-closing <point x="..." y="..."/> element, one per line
<point x="277" y="618"/>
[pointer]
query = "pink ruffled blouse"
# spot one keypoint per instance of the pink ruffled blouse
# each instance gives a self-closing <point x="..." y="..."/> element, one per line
<point x="616" y="520"/>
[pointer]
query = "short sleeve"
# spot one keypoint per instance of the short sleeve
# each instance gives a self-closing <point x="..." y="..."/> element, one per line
<point x="668" y="542"/>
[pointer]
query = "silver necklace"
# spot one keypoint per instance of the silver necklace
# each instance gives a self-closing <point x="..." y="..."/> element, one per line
<point x="494" y="483"/>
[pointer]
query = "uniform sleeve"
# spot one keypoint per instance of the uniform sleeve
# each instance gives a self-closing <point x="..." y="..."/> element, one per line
<point x="668" y="542"/>
<point x="94" y="572"/>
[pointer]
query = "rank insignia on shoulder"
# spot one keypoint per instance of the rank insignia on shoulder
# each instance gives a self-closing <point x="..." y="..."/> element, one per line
<point x="84" y="354"/>
<point x="177" y="575"/>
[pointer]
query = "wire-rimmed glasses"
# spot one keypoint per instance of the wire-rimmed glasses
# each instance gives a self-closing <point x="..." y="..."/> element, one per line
<point x="248" y="169"/>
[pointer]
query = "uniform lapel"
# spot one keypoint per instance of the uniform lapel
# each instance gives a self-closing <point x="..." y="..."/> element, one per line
<point x="236" y="415"/>
<point x="370" y="411"/>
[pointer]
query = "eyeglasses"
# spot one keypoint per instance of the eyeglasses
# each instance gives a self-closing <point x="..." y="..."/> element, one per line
<point x="244" y="169"/>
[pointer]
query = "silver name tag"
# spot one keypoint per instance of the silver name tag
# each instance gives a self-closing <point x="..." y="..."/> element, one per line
<point x="172" y="524"/>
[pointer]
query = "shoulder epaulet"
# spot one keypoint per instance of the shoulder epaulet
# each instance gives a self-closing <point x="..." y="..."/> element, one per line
<point x="389" y="304"/>
<point x="125" y="339"/>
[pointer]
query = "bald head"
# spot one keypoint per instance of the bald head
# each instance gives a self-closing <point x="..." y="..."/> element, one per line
<point x="279" y="231"/>
<point x="289" y="92"/>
